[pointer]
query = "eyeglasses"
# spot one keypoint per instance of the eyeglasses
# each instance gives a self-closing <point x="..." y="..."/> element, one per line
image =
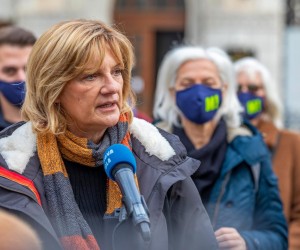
<point x="253" y="88"/>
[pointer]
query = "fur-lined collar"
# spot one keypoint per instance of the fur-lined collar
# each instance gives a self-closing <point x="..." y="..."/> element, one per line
<point x="20" y="146"/>
<point x="17" y="148"/>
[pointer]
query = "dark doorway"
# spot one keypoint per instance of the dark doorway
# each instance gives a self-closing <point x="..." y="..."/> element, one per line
<point x="153" y="26"/>
<point x="166" y="40"/>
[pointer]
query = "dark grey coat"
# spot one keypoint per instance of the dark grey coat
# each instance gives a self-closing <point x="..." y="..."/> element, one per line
<point x="178" y="218"/>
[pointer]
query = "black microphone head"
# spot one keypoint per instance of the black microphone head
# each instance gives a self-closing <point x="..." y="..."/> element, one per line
<point x="115" y="155"/>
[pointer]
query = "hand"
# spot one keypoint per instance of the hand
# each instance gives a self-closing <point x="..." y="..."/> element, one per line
<point x="229" y="239"/>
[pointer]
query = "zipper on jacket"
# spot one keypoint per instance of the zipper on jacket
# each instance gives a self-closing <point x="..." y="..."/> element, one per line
<point x="217" y="207"/>
<point x="20" y="192"/>
<point x="161" y="176"/>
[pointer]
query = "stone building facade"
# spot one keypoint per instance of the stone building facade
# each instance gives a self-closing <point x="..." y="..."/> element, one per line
<point x="241" y="27"/>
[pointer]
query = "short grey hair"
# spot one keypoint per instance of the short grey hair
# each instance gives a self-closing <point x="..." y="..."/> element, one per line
<point x="165" y="108"/>
<point x="250" y="66"/>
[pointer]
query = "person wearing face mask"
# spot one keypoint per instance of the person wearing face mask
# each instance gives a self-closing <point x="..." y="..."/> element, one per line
<point x="196" y="100"/>
<point x="15" y="46"/>
<point x="262" y="106"/>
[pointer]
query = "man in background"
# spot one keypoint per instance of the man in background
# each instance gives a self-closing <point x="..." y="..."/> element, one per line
<point x="15" y="46"/>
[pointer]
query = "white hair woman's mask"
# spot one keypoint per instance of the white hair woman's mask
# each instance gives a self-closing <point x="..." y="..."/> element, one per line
<point x="199" y="103"/>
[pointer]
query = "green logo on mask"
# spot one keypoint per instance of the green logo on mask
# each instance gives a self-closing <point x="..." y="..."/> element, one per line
<point x="212" y="103"/>
<point x="254" y="106"/>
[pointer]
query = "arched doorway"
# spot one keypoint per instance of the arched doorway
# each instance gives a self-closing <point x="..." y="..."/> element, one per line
<point x="153" y="26"/>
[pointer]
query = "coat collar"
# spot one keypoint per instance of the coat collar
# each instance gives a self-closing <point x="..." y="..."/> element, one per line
<point x="248" y="148"/>
<point x="151" y="139"/>
<point x="19" y="146"/>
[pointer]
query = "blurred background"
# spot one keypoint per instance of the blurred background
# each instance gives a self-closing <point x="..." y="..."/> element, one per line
<point x="266" y="29"/>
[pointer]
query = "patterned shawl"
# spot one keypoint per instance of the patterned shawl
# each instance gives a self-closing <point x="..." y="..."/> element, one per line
<point x="63" y="211"/>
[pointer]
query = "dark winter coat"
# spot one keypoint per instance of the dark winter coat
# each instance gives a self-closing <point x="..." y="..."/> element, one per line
<point x="178" y="218"/>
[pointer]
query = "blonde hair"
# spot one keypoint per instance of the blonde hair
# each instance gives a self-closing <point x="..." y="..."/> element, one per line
<point x="61" y="54"/>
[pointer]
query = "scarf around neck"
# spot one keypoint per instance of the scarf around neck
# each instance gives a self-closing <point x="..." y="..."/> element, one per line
<point x="211" y="157"/>
<point x="63" y="211"/>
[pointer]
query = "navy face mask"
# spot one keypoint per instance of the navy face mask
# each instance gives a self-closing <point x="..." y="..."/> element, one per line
<point x="199" y="103"/>
<point x="253" y="105"/>
<point x="14" y="92"/>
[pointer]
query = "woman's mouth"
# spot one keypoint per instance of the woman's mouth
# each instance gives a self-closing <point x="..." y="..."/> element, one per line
<point x="107" y="105"/>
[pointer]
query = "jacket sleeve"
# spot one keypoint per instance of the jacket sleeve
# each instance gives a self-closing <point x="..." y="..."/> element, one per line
<point x="24" y="208"/>
<point x="294" y="223"/>
<point x="189" y="226"/>
<point x="269" y="226"/>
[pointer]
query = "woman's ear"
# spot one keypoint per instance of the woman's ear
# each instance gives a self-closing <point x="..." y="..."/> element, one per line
<point x="172" y="92"/>
<point x="57" y="101"/>
<point x="224" y="90"/>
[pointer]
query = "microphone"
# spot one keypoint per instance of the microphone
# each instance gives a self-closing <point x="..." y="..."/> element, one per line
<point x="120" y="165"/>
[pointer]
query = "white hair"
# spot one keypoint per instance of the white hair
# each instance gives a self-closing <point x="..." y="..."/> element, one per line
<point x="165" y="108"/>
<point x="251" y="66"/>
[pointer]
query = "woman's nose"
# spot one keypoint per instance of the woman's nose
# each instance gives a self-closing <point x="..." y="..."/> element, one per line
<point x="110" y="86"/>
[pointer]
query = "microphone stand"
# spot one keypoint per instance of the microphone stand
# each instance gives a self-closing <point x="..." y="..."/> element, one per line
<point x="135" y="212"/>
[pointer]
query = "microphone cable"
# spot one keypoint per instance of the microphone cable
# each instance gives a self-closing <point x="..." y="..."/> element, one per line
<point x="114" y="233"/>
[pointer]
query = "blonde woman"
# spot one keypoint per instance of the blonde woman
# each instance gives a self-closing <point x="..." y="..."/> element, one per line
<point x="52" y="173"/>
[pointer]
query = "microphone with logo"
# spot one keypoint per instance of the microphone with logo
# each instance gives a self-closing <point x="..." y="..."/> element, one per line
<point x="120" y="166"/>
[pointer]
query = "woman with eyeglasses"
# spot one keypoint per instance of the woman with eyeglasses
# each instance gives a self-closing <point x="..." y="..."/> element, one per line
<point x="262" y="106"/>
<point x="196" y="100"/>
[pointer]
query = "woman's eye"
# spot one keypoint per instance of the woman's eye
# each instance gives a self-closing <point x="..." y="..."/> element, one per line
<point x="90" y="77"/>
<point x="187" y="84"/>
<point x="117" y="72"/>
<point x="209" y="83"/>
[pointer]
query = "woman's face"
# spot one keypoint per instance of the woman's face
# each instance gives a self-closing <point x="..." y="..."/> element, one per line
<point x="200" y="71"/>
<point x="92" y="102"/>
<point x="198" y="90"/>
